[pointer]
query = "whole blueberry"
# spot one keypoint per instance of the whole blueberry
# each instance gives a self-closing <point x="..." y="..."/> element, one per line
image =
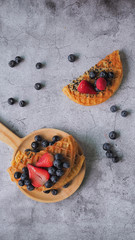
<point x="55" y="138"/>
<point x="54" y="192"/>
<point x="54" y="179"/>
<point x="38" y="86"/>
<point x="51" y="143"/>
<point x="22" y="103"/>
<point x="66" y="185"/>
<point x="38" y="138"/>
<point x="44" y="143"/>
<point x="12" y="63"/>
<point x="103" y="74"/>
<point x="52" y="170"/>
<point x="110" y="75"/>
<point x="66" y="165"/>
<point x="109" y="154"/>
<point x="59" y="172"/>
<point x="21" y="183"/>
<point x="48" y="184"/>
<point x="39" y="65"/>
<point x="92" y="74"/>
<point x="124" y="113"/>
<point x="27" y="181"/>
<point x="18" y="59"/>
<point x="30" y="187"/>
<point x="17" y="175"/>
<point x="34" y="145"/>
<point x="25" y="170"/>
<point x="115" y="159"/>
<point x="97" y="90"/>
<point x="58" y="156"/>
<point x="11" y="101"/>
<point x="71" y="58"/>
<point x="112" y="135"/>
<point x="57" y="163"/>
<point x="113" y="108"/>
<point x="47" y="191"/>
<point x="106" y="146"/>
<point x="24" y="176"/>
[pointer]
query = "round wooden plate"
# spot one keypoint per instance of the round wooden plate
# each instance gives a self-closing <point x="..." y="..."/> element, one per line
<point x="23" y="143"/>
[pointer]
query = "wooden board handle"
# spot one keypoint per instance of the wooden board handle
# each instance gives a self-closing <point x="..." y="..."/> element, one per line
<point x="9" y="137"/>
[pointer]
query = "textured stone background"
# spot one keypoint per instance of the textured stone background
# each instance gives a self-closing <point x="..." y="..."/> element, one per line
<point x="104" y="206"/>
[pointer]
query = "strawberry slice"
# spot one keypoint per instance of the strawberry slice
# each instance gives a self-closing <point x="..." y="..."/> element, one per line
<point x="46" y="160"/>
<point x="86" y="87"/>
<point x="38" y="176"/>
<point x="101" y="84"/>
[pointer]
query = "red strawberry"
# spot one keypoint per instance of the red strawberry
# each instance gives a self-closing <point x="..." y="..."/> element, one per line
<point x="86" y="87"/>
<point x="46" y="160"/>
<point x="38" y="176"/>
<point x="101" y="84"/>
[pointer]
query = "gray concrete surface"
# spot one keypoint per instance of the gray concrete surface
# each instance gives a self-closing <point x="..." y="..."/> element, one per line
<point x="104" y="206"/>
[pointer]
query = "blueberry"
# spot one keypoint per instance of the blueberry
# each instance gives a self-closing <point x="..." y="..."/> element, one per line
<point x="51" y="143"/>
<point x="27" y="181"/>
<point x="38" y="65"/>
<point x="109" y="154"/>
<point x="55" y="138"/>
<point x="54" y="192"/>
<point x="24" y="176"/>
<point x="113" y="108"/>
<point x="112" y="135"/>
<point x="124" y="113"/>
<point x="59" y="172"/>
<point x="115" y="159"/>
<point x="58" y="156"/>
<point x="103" y="74"/>
<point x="21" y="183"/>
<point x="47" y="191"/>
<point x="52" y="170"/>
<point x="18" y="59"/>
<point x="30" y="187"/>
<point x="25" y="170"/>
<point x="12" y="63"/>
<point x="66" y="185"/>
<point x="38" y="138"/>
<point x="34" y="145"/>
<point x="22" y="103"/>
<point x="57" y="163"/>
<point x="71" y="58"/>
<point x="110" y="75"/>
<point x="11" y="101"/>
<point x="92" y="74"/>
<point x="54" y="179"/>
<point x="66" y="165"/>
<point x="48" y="184"/>
<point x="38" y="86"/>
<point x="106" y="146"/>
<point x="97" y="90"/>
<point x="44" y="143"/>
<point x="17" y="175"/>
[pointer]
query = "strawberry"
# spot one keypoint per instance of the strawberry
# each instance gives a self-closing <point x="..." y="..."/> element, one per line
<point x="45" y="161"/>
<point x="86" y="87"/>
<point x="38" y="176"/>
<point x="101" y="84"/>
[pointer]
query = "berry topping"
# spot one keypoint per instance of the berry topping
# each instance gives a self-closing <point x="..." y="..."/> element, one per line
<point x="46" y="160"/>
<point x="92" y="74"/>
<point x="30" y="187"/>
<point x="58" y="156"/>
<point x="34" y="145"/>
<point x="12" y="63"/>
<point x="47" y="191"/>
<point x="112" y="135"/>
<point x="38" y="176"/>
<point x="24" y="176"/>
<point x="17" y="175"/>
<point x="48" y="184"/>
<point x="51" y="143"/>
<point x="57" y="163"/>
<point x="124" y="113"/>
<point x="55" y="138"/>
<point x="66" y="185"/>
<point x="106" y="146"/>
<point x="44" y="143"/>
<point x="38" y="65"/>
<point x="52" y="170"/>
<point x="86" y="87"/>
<point x="109" y="154"/>
<point x="113" y="108"/>
<point x="110" y="75"/>
<point x="66" y="165"/>
<point x="115" y="159"/>
<point x="38" y="138"/>
<point x="22" y="103"/>
<point x="54" y="179"/>
<point x="38" y="86"/>
<point x="27" y="182"/>
<point x="21" y="183"/>
<point x="54" y="192"/>
<point x="25" y="170"/>
<point x="59" y="172"/>
<point x="18" y="59"/>
<point x="103" y="74"/>
<point x="71" y="58"/>
<point x="101" y="84"/>
<point x="11" y="101"/>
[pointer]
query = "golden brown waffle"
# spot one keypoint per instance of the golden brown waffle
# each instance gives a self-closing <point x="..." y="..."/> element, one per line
<point x="110" y="63"/>
<point x="67" y="147"/>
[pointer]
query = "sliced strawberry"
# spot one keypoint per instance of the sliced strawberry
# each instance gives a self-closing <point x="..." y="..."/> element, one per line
<point x="46" y="160"/>
<point x="101" y="84"/>
<point x="86" y="87"/>
<point x="38" y="176"/>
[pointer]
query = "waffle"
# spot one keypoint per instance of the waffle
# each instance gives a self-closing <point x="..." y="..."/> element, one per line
<point x="67" y="147"/>
<point x="110" y="63"/>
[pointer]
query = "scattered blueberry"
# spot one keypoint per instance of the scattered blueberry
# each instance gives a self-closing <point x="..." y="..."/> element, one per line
<point x="103" y="74"/>
<point x="38" y="65"/>
<point x="110" y="75"/>
<point x="48" y="184"/>
<point x="58" y="156"/>
<point x="66" y="185"/>
<point x="92" y="74"/>
<point x="22" y="103"/>
<point x="27" y="181"/>
<point x="112" y="135"/>
<point x="21" y="183"/>
<point x="18" y="59"/>
<point x="113" y="108"/>
<point x="47" y="191"/>
<point x="106" y="146"/>
<point x="17" y="175"/>
<point x="24" y="176"/>
<point x="54" y="179"/>
<point x="44" y="143"/>
<point x="66" y="165"/>
<point x="38" y="86"/>
<point x="11" y="101"/>
<point x="124" y="113"/>
<point x="96" y="89"/>
<point x="109" y="154"/>
<point x="30" y="187"/>
<point x="38" y="138"/>
<point x="51" y="143"/>
<point x="71" y="58"/>
<point x="59" y="172"/>
<point x="12" y="63"/>
<point x="54" y="192"/>
<point x="25" y="170"/>
<point x="34" y="145"/>
<point x="52" y="170"/>
<point x="55" y="138"/>
<point x="115" y="159"/>
<point x="57" y="163"/>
